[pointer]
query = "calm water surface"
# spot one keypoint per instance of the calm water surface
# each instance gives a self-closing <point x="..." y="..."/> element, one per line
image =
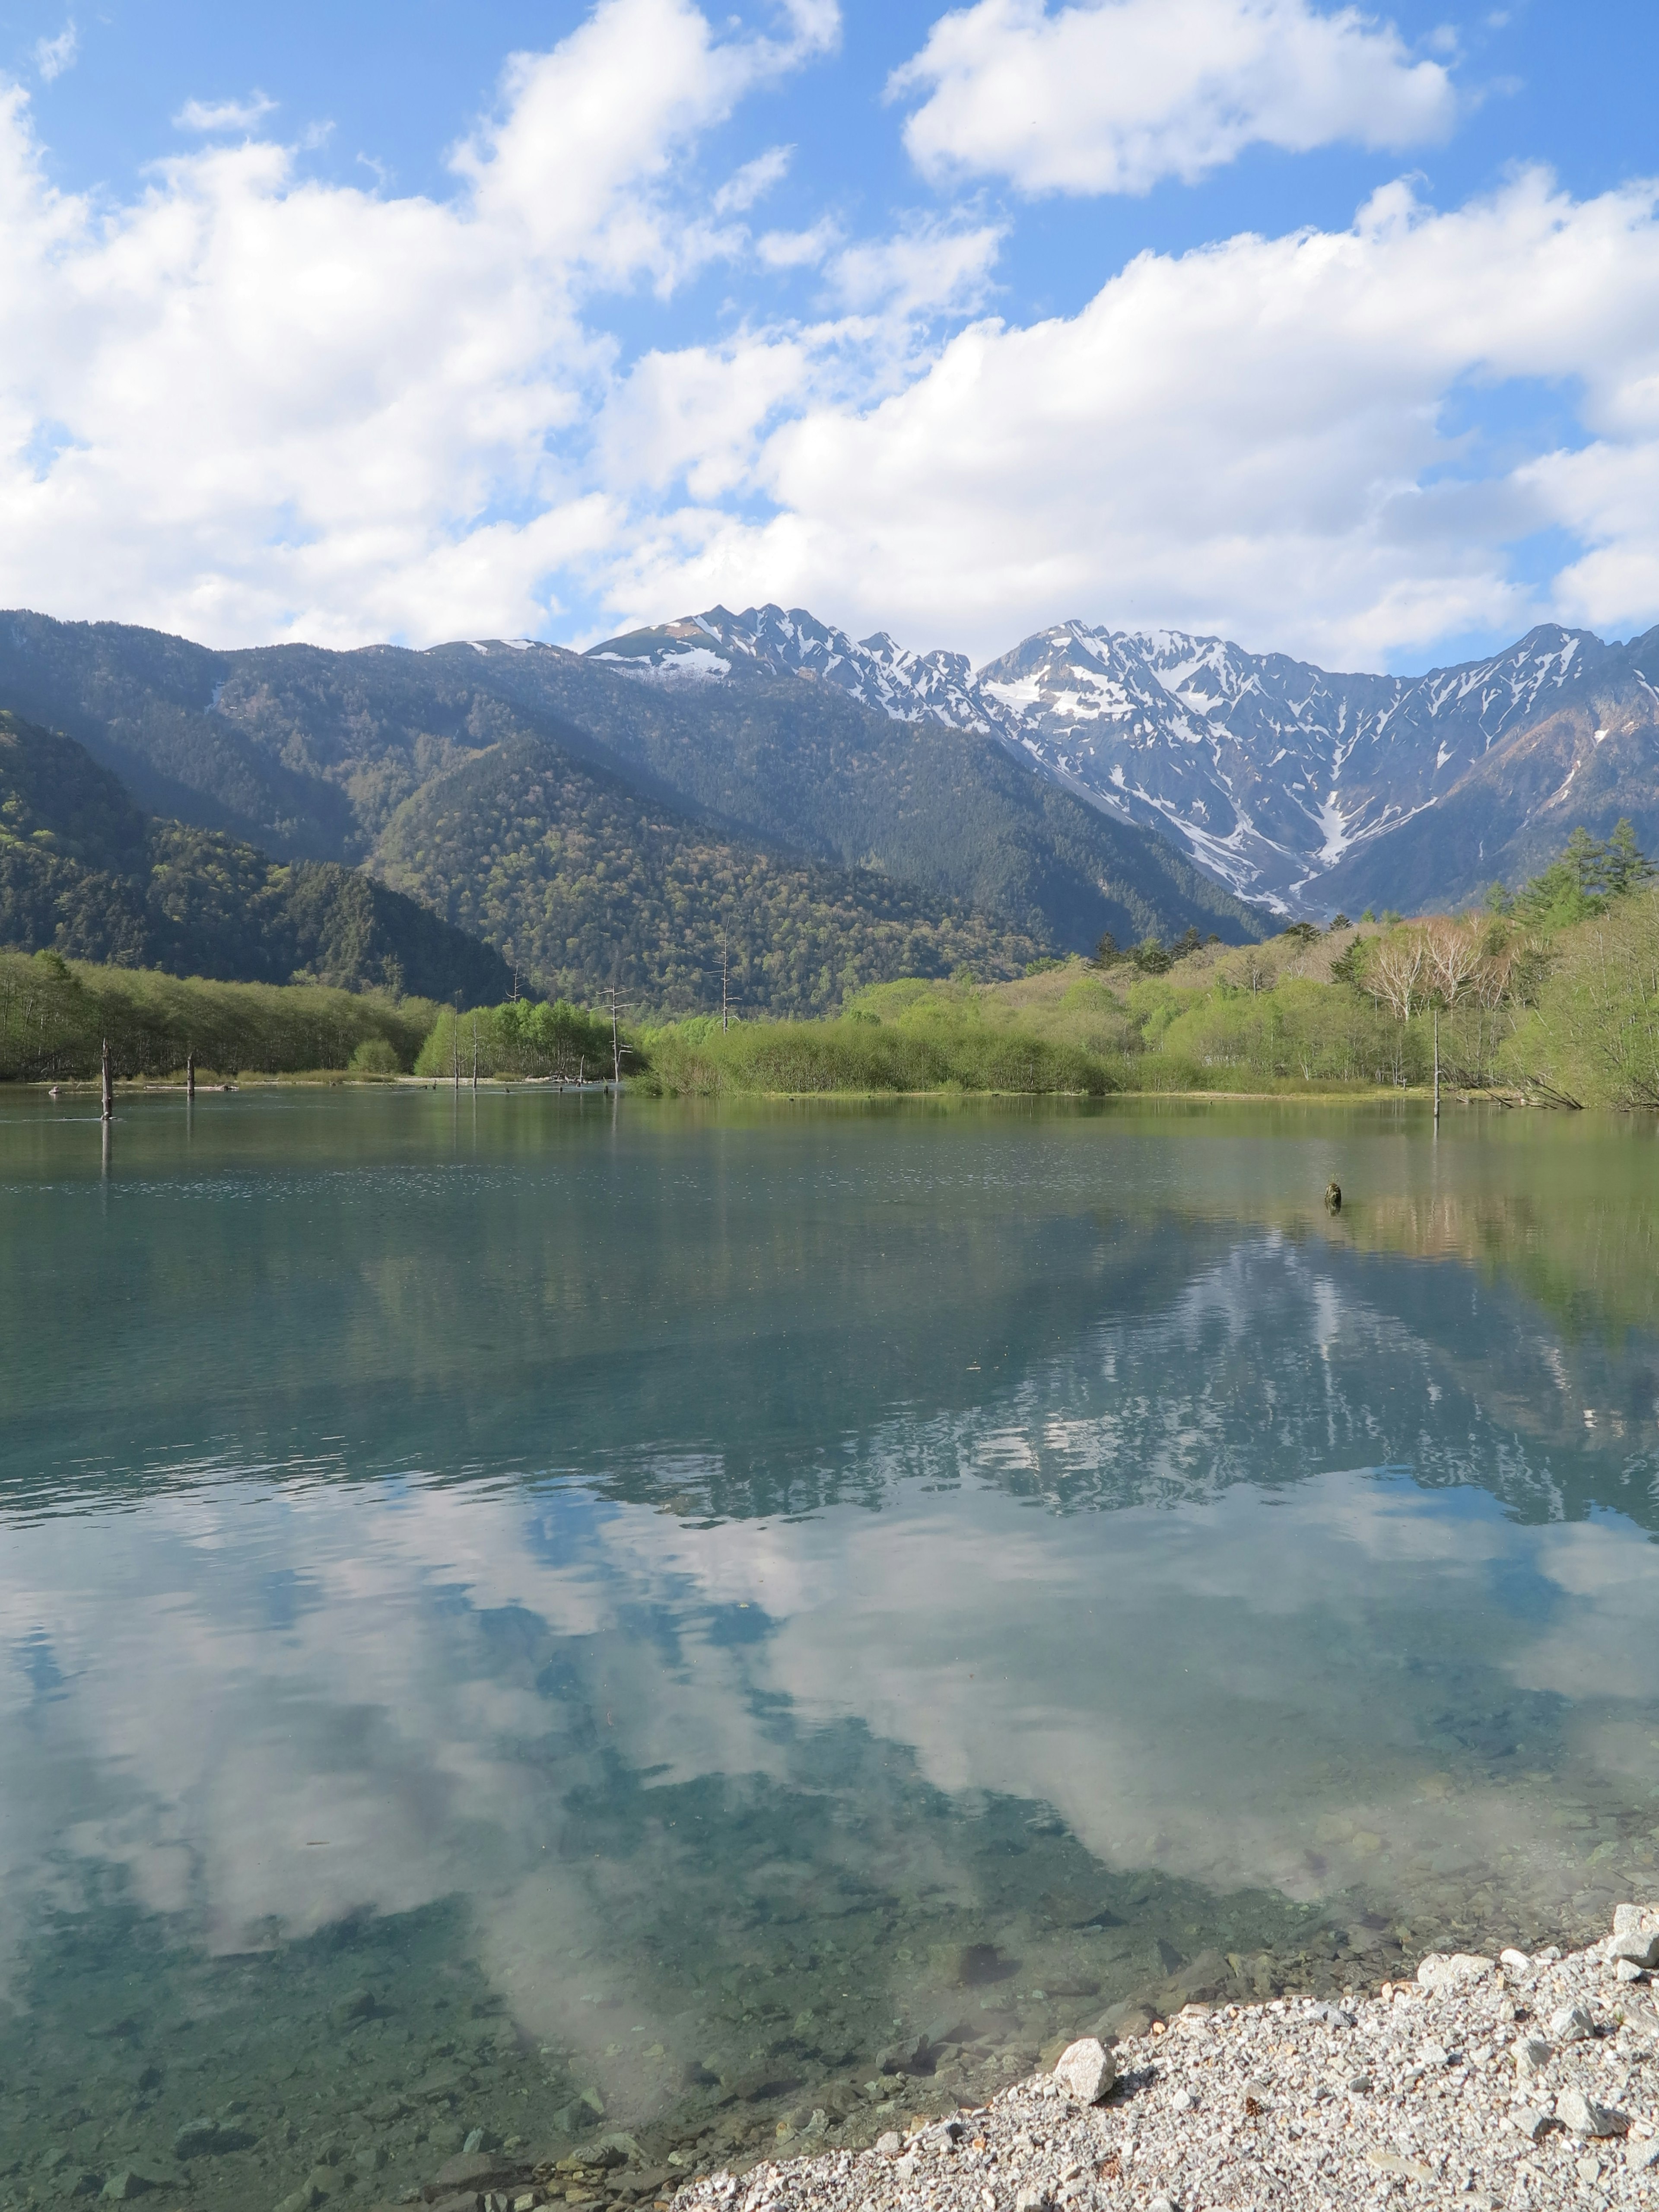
<point x="544" y="1617"/>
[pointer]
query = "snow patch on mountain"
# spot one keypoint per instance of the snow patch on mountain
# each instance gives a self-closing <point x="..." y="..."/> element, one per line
<point x="1239" y="755"/>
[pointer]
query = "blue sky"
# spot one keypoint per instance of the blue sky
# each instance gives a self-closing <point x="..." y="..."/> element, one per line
<point x="1062" y="322"/>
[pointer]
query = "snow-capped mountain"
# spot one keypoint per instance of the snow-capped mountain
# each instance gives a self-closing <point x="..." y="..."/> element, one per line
<point x="910" y="687"/>
<point x="1284" y="780"/>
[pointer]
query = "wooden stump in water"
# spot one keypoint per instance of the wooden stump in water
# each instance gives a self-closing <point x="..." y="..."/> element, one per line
<point x="1334" y="1196"/>
<point x="109" y="1088"/>
<point x="189" y="1075"/>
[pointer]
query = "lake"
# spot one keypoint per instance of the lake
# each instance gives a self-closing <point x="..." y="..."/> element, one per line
<point x="542" y="1615"/>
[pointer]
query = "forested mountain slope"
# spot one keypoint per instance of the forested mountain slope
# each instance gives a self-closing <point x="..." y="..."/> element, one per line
<point x="86" y="873"/>
<point x="583" y="882"/>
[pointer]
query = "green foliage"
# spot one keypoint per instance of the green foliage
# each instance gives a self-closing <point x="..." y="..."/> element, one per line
<point x="1300" y="1028"/>
<point x="865" y="1055"/>
<point x="1591" y="1036"/>
<point x="1582" y="881"/>
<point x="54" y="1014"/>
<point x="1152" y="956"/>
<point x="519" y="1039"/>
<point x="1349" y="966"/>
<point x="581" y="881"/>
<point x="375" y="1056"/>
<point x="83" y="870"/>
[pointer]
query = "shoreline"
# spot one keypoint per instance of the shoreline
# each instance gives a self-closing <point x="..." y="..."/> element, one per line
<point x="1516" y="2082"/>
<point x="345" y="1079"/>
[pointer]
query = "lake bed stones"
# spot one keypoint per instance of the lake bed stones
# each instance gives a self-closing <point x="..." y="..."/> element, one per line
<point x="1085" y="2070"/>
<point x="208" y="2138"/>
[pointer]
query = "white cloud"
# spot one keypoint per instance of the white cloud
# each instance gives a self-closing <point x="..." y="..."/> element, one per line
<point x="53" y="55"/>
<point x="285" y="407"/>
<point x="255" y="405"/>
<point x="1110" y="95"/>
<point x="211" y="115"/>
<point x="1241" y="438"/>
<point x="797" y="249"/>
<point x="932" y="267"/>
<point x="752" y="181"/>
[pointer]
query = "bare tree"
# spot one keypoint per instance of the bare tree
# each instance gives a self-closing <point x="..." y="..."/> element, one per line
<point x="1394" y="976"/>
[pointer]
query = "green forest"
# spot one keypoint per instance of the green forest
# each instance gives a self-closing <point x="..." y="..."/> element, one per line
<point x="1549" y="994"/>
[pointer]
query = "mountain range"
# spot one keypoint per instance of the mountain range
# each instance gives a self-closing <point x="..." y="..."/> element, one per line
<point x="758" y="803"/>
<point x="787" y="841"/>
<point x="1305" y="790"/>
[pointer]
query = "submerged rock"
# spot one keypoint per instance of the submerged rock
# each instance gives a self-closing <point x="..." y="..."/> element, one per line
<point x="206" y="2138"/>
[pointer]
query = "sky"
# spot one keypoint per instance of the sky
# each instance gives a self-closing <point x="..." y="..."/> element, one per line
<point x="1332" y="331"/>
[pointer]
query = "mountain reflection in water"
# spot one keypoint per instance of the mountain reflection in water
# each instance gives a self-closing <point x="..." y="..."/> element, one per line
<point x="525" y="1609"/>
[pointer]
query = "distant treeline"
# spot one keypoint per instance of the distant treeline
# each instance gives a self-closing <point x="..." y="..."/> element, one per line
<point x="55" y="1014"/>
<point x="860" y="1051"/>
<point x="518" y="1039"/>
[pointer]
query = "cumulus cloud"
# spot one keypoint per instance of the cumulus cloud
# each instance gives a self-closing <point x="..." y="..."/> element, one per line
<point x="1247" y="438"/>
<point x="279" y="407"/>
<point x="209" y="115"/>
<point x="53" y="55"/>
<point x="1111" y="95"/>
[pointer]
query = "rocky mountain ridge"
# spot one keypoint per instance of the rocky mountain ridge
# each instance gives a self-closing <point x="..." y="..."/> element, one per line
<point x="1286" y="782"/>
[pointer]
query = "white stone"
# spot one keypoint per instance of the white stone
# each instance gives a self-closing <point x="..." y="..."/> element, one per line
<point x="1573" y="2023"/>
<point x="1627" y="1970"/>
<point x="1533" y="2125"/>
<point x="1440" y="1972"/>
<point x="1517" y="1962"/>
<point x="1575" y="2110"/>
<point x="1086" y="2069"/>
<point x="1635" y="1935"/>
<point x="1531" y="2055"/>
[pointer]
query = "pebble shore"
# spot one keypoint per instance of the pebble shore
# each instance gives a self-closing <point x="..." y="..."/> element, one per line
<point x="1514" y="2081"/>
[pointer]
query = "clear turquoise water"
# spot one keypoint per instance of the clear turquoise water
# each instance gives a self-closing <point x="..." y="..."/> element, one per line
<point x="531" y="1609"/>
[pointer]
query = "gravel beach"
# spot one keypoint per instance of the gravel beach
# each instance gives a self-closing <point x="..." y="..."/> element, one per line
<point x="1514" y="2081"/>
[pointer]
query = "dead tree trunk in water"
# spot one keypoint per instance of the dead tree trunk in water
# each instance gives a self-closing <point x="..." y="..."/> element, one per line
<point x="109" y="1088"/>
<point x="189" y="1075"/>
